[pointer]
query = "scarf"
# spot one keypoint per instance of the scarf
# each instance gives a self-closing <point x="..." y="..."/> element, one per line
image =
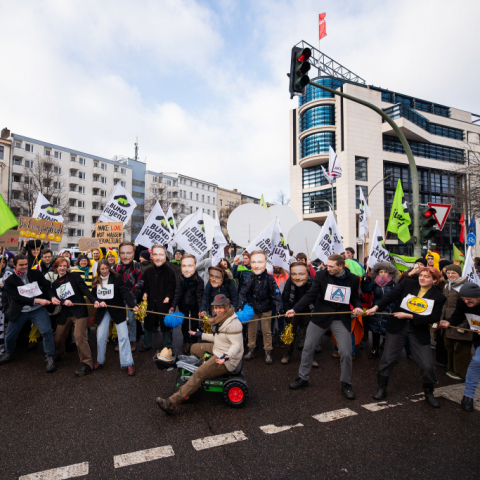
<point x="220" y="319"/>
<point x="18" y="273"/>
<point x="382" y="281"/>
<point x="452" y="284"/>
<point x="86" y="271"/>
<point x="104" y="280"/>
<point x="342" y="275"/>
<point x="175" y="261"/>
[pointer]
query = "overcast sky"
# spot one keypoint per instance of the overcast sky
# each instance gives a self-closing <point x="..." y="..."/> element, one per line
<point x="203" y="83"/>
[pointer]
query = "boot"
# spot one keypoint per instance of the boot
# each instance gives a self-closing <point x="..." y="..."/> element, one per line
<point x="467" y="404"/>
<point x="285" y="359"/>
<point x="50" y="364"/>
<point x="429" y="397"/>
<point x="83" y="370"/>
<point x="165" y="404"/>
<point x="6" y="357"/>
<point x="381" y="392"/>
<point x="133" y="346"/>
<point x="347" y="391"/>
<point x="268" y="357"/>
<point x="250" y="355"/>
<point x="167" y="339"/>
<point x="301" y="338"/>
<point x="298" y="383"/>
<point x="375" y="353"/>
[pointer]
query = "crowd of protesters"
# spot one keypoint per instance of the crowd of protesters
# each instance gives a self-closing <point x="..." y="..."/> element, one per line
<point x="59" y="298"/>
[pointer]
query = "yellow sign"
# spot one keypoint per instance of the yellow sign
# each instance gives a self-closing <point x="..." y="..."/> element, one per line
<point x="37" y="229"/>
<point x="417" y="305"/>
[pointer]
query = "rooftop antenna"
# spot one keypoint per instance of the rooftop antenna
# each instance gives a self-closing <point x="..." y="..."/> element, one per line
<point x="136" y="149"/>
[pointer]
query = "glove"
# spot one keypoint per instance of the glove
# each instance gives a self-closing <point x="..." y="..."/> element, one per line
<point x="224" y="356"/>
<point x="197" y="334"/>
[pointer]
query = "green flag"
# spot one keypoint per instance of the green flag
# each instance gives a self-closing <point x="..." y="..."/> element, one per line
<point x="402" y="262"/>
<point x="263" y="203"/>
<point x="458" y="256"/>
<point x="399" y="218"/>
<point x="7" y="218"/>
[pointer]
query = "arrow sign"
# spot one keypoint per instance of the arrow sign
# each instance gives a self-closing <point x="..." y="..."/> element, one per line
<point x="441" y="213"/>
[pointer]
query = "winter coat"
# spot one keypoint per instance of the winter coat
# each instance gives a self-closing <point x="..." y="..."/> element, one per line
<point x="144" y="264"/>
<point x="241" y="273"/>
<point x="458" y="317"/>
<point x="227" y="288"/>
<point x="188" y="293"/>
<point x="202" y="269"/>
<point x="262" y="293"/>
<point x="316" y="295"/>
<point x="88" y="279"/>
<point x="80" y="290"/>
<point x="159" y="283"/>
<point x="229" y="344"/>
<point x="280" y="280"/>
<point x="176" y="267"/>
<point x="292" y="294"/>
<point x="121" y="294"/>
<point x="132" y="276"/>
<point x="452" y="295"/>
<point x="44" y="268"/>
<point x="420" y="323"/>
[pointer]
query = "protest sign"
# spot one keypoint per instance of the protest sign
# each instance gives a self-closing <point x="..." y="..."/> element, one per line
<point x="155" y="230"/>
<point x="109" y="234"/>
<point x="119" y="207"/>
<point x="377" y="253"/>
<point x="87" y="243"/>
<point x="469" y="271"/>
<point x="46" y="211"/>
<point x="9" y="239"/>
<point x="45" y="230"/>
<point x="191" y="236"/>
<point x="329" y="241"/>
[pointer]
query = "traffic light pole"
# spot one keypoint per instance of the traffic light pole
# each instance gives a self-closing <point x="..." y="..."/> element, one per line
<point x="417" y="247"/>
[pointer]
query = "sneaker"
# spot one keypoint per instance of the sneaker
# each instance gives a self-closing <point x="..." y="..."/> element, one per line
<point x="315" y="364"/>
<point x="335" y="355"/>
<point x="347" y="391"/>
<point x="6" y="357"/>
<point x="268" y="357"/>
<point x="83" y="370"/>
<point x="50" y="364"/>
<point x="454" y="376"/>
<point x="298" y="383"/>
<point x="133" y="346"/>
<point x="467" y="403"/>
<point x="131" y="370"/>
<point x="250" y="355"/>
<point x="285" y="359"/>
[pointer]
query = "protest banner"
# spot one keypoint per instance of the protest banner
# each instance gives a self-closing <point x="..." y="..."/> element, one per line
<point x="46" y="211"/>
<point x="45" y="230"/>
<point x="329" y="240"/>
<point x="119" y="207"/>
<point x="279" y="253"/>
<point x="191" y="236"/>
<point x="377" y="252"/>
<point x="109" y="234"/>
<point x="469" y="271"/>
<point x="155" y="230"/>
<point x="87" y="243"/>
<point x="218" y="243"/>
<point x="9" y="239"/>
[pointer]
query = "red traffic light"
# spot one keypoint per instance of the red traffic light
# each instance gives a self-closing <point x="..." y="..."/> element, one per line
<point x="305" y="55"/>
<point x="429" y="212"/>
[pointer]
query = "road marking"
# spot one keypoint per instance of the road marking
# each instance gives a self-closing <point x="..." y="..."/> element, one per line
<point x="376" y="407"/>
<point x="273" y="429"/>
<point x="217" y="440"/>
<point x="417" y="397"/>
<point x="61" y="473"/>
<point x="143" y="456"/>
<point x="335" y="415"/>
<point x="455" y="394"/>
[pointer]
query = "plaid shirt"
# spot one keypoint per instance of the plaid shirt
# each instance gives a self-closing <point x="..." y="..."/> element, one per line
<point x="132" y="276"/>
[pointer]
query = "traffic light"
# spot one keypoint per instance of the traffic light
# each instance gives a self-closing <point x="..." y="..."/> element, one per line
<point x="428" y="222"/>
<point x="299" y="66"/>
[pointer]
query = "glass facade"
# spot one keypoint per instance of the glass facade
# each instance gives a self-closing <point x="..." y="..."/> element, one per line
<point x="314" y="177"/>
<point x="416" y="103"/>
<point x="317" y="143"/>
<point x="361" y="172"/>
<point x="357" y="194"/>
<point x="316" y="117"/>
<point x="425" y="150"/>
<point x="313" y="202"/>
<point x="436" y="186"/>
<point x="314" y="93"/>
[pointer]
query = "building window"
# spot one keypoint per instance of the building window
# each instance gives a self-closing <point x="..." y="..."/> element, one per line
<point x="18" y="144"/>
<point x="2" y="152"/>
<point x="81" y="161"/>
<point x="57" y="170"/>
<point x="361" y="172"/>
<point x="28" y="163"/>
<point x="16" y="195"/>
<point x="16" y="178"/>
<point x="221" y="202"/>
<point x="57" y="185"/>
<point x="95" y="164"/>
<point x="81" y="204"/>
<point x="317" y="143"/>
<point x="314" y="93"/>
<point x="104" y="166"/>
<point x="81" y="190"/>
<point x="314" y="202"/>
<point x="47" y="152"/>
<point x="416" y="103"/>
<point x="103" y="193"/>
<point x="357" y="194"/>
<point x="80" y="233"/>
<point x="316" y="117"/>
<point x="94" y="219"/>
<point x="213" y="201"/>
<point x="197" y="196"/>
<point x="123" y="171"/>
<point x="82" y="175"/>
<point x="314" y="177"/>
<point x="57" y="155"/>
<point x="203" y="198"/>
<point x="123" y="184"/>
<point x="191" y="196"/>
<point x="29" y="147"/>
<point x="103" y="180"/>
<point x="208" y="199"/>
<point x="208" y="211"/>
<point x="425" y="150"/>
<point x="18" y="161"/>
<point x="138" y="183"/>
<point x="169" y="194"/>
<point x="81" y="218"/>
<point x="138" y="195"/>
<point x="213" y="212"/>
<point x="72" y="202"/>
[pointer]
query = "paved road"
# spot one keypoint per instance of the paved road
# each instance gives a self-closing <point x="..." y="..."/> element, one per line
<point x="88" y="425"/>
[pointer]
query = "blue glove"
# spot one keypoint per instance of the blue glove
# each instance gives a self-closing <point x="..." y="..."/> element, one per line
<point x="224" y="356"/>
<point x="197" y="334"/>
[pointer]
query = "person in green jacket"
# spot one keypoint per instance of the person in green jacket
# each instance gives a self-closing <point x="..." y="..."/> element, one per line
<point x="175" y="263"/>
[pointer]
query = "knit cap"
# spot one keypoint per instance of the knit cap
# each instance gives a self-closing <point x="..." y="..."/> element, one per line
<point x="470" y="290"/>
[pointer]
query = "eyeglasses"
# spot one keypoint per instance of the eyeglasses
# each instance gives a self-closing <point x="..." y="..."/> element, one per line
<point x="214" y="277"/>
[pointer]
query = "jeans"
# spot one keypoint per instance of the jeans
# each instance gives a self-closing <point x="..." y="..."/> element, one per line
<point x="473" y="375"/>
<point x="38" y="317"/>
<point x="353" y="345"/>
<point x="126" y="358"/>
<point x="132" y="325"/>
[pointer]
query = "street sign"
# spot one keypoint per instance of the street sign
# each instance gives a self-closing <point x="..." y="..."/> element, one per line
<point x="471" y="240"/>
<point x="441" y="213"/>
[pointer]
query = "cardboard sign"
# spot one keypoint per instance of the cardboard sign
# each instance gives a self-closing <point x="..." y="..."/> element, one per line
<point x="109" y="234"/>
<point x="9" y="239"/>
<point x="30" y="290"/>
<point x="45" y="230"/>
<point x="85" y="243"/>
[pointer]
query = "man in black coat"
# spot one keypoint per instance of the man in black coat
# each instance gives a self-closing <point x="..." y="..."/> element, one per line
<point x="28" y="293"/>
<point x="333" y="290"/>
<point x="418" y="304"/>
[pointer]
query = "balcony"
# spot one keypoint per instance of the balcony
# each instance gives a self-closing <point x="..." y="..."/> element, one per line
<point x="118" y="176"/>
<point x="18" y="168"/>
<point x="74" y="194"/>
<point x="75" y="209"/>
<point x="98" y="198"/>
<point x="18" y="152"/>
<point x="98" y="171"/>
<point x="17" y="186"/>
<point x="98" y="184"/>
<point x="173" y="189"/>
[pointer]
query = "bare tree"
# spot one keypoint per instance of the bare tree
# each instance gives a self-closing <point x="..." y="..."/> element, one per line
<point x="166" y="196"/>
<point x="45" y="177"/>
<point x="282" y="199"/>
<point x="223" y="215"/>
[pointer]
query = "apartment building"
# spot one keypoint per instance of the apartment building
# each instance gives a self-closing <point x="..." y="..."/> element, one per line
<point x="5" y="146"/>
<point x="228" y="199"/>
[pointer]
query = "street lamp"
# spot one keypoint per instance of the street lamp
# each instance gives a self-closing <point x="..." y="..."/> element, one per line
<point x="382" y="180"/>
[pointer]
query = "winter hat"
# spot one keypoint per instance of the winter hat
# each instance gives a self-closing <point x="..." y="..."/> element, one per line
<point x="34" y="244"/>
<point x="220" y="300"/>
<point x="8" y="255"/>
<point x="470" y="290"/>
<point x="422" y="260"/>
<point x="455" y="268"/>
<point x="145" y="255"/>
<point x="443" y="263"/>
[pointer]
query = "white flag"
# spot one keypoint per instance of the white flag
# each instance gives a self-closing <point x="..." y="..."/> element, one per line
<point x="119" y="207"/>
<point x="263" y="241"/>
<point x="364" y="214"/>
<point x="155" y="230"/>
<point x="334" y="167"/>
<point x="191" y="237"/>
<point x="327" y="176"/>
<point x="171" y="226"/>
<point x="218" y="243"/>
<point x="45" y="210"/>
<point x="469" y="269"/>
<point x="279" y="253"/>
<point x="377" y="252"/>
<point x="329" y="241"/>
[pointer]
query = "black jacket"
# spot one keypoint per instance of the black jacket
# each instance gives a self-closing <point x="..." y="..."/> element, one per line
<point x="121" y="294"/>
<point x="261" y="292"/>
<point x="188" y="293"/>
<point x="292" y="294"/>
<point x="227" y="288"/>
<point x="420" y="322"/>
<point x="458" y="317"/>
<point x="16" y="302"/>
<point x="80" y="290"/>
<point x="159" y="283"/>
<point x="316" y="295"/>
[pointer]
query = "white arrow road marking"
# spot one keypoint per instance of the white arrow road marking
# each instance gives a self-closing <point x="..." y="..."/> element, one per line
<point x="61" y="473"/>
<point x="375" y="407"/>
<point x="217" y="440"/>
<point x="143" y="456"/>
<point x="335" y="415"/>
<point x="273" y="429"/>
